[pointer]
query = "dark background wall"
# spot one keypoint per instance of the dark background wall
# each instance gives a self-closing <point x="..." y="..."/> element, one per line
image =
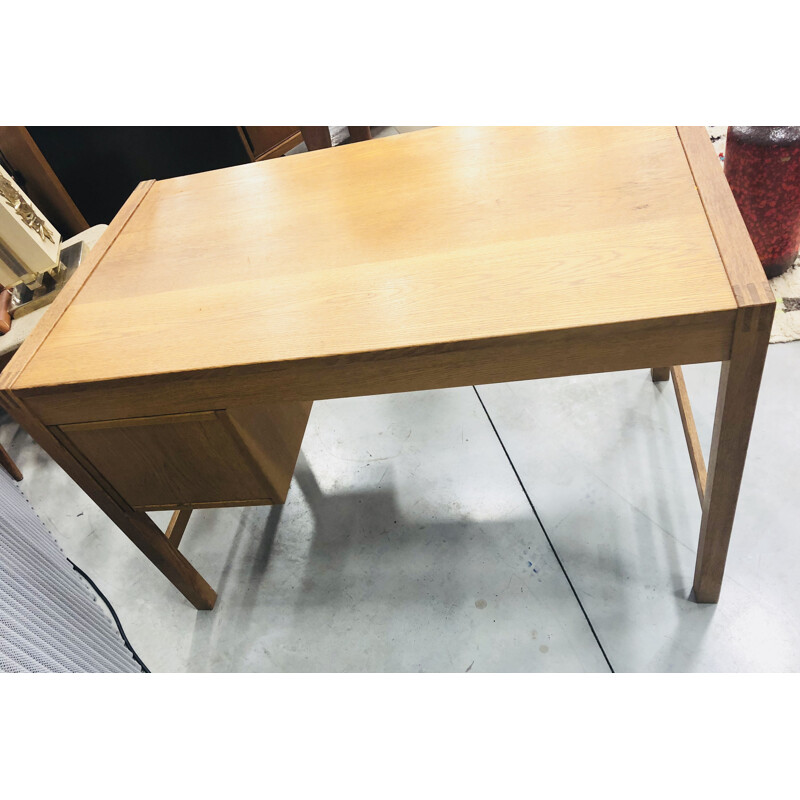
<point x="100" y="166"/>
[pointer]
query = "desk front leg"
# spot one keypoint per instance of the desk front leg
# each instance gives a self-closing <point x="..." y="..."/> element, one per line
<point x="158" y="547"/>
<point x="136" y="525"/>
<point x="739" y="383"/>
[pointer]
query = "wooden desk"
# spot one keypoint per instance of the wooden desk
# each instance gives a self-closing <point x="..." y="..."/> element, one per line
<point x="177" y="368"/>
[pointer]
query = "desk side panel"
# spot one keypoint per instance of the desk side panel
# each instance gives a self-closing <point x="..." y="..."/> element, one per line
<point x="607" y="348"/>
<point x="170" y="461"/>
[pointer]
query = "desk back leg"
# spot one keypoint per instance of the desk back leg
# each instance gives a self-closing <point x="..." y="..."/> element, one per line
<point x="739" y="383"/>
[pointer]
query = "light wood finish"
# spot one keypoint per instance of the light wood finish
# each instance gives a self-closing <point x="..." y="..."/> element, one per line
<point x="273" y="434"/>
<point x="439" y="258"/>
<point x="557" y="230"/>
<point x="65" y="297"/>
<point x="659" y="374"/>
<point x="208" y="459"/>
<point x="7" y="463"/>
<point x="743" y="267"/>
<point x="41" y="183"/>
<point x="740" y="376"/>
<point x="740" y="379"/>
<point x="177" y="526"/>
<point x="171" y="461"/>
<point x="685" y="340"/>
<point x="690" y="431"/>
<point x="142" y="531"/>
<point x="137" y="526"/>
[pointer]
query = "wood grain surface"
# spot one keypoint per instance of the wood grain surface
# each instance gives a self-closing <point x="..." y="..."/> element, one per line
<point x="690" y="431"/>
<point x="177" y="526"/>
<point x="739" y="383"/>
<point x="136" y="525"/>
<point x="411" y="243"/>
<point x="688" y="340"/>
<point x="65" y="297"/>
<point x="745" y="273"/>
<point x="172" y="461"/>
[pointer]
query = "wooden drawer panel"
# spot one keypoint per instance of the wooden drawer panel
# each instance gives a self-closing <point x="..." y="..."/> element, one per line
<point x="169" y="461"/>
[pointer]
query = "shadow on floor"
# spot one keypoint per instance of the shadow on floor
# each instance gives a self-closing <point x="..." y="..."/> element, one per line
<point x="366" y="559"/>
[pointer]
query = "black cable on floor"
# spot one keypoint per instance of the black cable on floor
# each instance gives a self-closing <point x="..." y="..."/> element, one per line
<point x="536" y="514"/>
<point x="113" y="614"/>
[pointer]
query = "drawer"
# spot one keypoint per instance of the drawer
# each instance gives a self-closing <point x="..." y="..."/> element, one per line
<point x="231" y="457"/>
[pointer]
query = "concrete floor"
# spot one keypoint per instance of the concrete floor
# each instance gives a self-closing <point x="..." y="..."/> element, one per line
<point x="407" y="542"/>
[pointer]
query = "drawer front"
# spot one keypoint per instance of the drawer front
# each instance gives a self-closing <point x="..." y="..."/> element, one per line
<point x="196" y="459"/>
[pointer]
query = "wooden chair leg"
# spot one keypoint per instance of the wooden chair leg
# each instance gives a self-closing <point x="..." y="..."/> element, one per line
<point x="359" y="133"/>
<point x="659" y="374"/>
<point x="7" y="463"/>
<point x="739" y="382"/>
<point x="316" y="137"/>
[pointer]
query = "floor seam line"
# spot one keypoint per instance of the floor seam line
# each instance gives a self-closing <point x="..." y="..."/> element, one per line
<point x="544" y="530"/>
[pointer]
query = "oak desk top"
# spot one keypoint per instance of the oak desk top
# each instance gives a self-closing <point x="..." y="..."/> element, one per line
<point x="427" y="239"/>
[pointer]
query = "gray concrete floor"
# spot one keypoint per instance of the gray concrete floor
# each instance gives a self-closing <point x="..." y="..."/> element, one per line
<point x="407" y="542"/>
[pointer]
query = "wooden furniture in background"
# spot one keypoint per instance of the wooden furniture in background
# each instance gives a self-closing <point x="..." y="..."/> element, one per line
<point x="319" y="137"/>
<point x="316" y="137"/>
<point x="269" y="141"/>
<point x="499" y="255"/>
<point x="99" y="166"/>
<point x="23" y="158"/>
<point x="79" y="173"/>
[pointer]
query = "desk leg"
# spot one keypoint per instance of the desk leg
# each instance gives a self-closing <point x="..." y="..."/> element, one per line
<point x="156" y="545"/>
<point x="136" y="525"/>
<point x="659" y="374"/>
<point x="739" y="382"/>
<point x="7" y="463"/>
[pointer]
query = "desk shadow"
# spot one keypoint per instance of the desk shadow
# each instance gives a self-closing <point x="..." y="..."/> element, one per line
<point x="237" y="617"/>
<point x="366" y="557"/>
<point x="364" y="547"/>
